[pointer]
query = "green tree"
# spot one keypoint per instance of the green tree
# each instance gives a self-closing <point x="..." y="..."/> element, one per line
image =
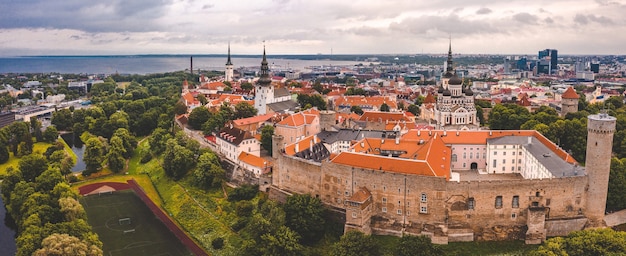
<point x="177" y="160"/>
<point x="414" y="109"/>
<point x="208" y="172"/>
<point x="64" y="244"/>
<point x="129" y="142"/>
<point x="282" y="242"/>
<point x="266" y="137"/>
<point x="93" y="156"/>
<point x="51" y="134"/>
<point x="247" y="86"/>
<point x="180" y="108"/>
<point x="305" y="215"/>
<point x="356" y="109"/>
<point x="62" y="119"/>
<point x="202" y="99"/>
<point x="508" y="117"/>
<point x="35" y="126"/>
<point x="314" y="100"/>
<point x="384" y="107"/>
<point x="616" y="198"/>
<point x="585" y="242"/>
<point x="244" y="110"/>
<point x="409" y="245"/>
<point x="158" y="139"/>
<point x="198" y="116"/>
<point x="115" y="157"/>
<point x="4" y="154"/>
<point x="355" y="243"/>
<point x="32" y="166"/>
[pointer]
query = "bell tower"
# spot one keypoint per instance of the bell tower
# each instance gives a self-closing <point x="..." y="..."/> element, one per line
<point x="228" y="74"/>
<point x="264" y="91"/>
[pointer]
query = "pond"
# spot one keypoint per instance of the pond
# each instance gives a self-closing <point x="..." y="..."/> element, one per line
<point x="7" y="232"/>
<point x="78" y="147"/>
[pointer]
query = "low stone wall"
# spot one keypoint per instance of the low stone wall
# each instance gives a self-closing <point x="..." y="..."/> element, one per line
<point x="564" y="227"/>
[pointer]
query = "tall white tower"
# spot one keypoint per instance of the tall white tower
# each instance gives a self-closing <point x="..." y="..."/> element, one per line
<point x="264" y="91"/>
<point x="228" y="74"/>
<point x="600" y="130"/>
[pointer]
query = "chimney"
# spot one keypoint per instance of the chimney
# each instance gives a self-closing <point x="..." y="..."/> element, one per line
<point x="530" y="140"/>
<point x="397" y="140"/>
<point x="297" y="149"/>
<point x="311" y="145"/>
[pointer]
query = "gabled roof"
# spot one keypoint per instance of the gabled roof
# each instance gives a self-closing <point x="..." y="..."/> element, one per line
<point x="372" y="116"/>
<point x="253" y="160"/>
<point x="299" y="119"/>
<point x="281" y="92"/>
<point x="481" y="137"/>
<point x="252" y="120"/>
<point x="302" y="145"/>
<point x="234" y="135"/>
<point x="429" y="98"/>
<point x="283" y="106"/>
<point x="570" y="94"/>
<point x="428" y="158"/>
<point x="213" y="86"/>
<point x="361" y="195"/>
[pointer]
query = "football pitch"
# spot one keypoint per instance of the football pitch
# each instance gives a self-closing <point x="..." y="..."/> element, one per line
<point x="126" y="226"/>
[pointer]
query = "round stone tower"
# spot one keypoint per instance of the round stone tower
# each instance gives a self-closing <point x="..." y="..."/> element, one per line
<point x="277" y="145"/>
<point x="327" y="120"/>
<point x="600" y="130"/>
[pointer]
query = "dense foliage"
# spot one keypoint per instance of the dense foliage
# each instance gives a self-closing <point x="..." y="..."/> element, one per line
<point x="585" y="242"/>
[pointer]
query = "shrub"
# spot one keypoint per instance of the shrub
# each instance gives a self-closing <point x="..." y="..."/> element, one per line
<point x="146" y="158"/>
<point x="217" y="243"/>
<point x="245" y="192"/>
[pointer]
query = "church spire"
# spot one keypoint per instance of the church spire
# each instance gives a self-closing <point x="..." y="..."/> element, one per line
<point x="450" y="63"/>
<point x="228" y="62"/>
<point x="265" y="79"/>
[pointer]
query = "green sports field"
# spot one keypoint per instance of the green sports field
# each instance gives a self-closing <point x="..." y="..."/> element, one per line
<point x="126" y="226"/>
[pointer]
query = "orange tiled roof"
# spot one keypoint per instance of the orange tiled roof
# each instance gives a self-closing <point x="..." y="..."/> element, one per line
<point x="430" y="158"/>
<point x="480" y="138"/>
<point x="366" y="101"/>
<point x="253" y="160"/>
<point x="299" y="119"/>
<point x="372" y="116"/>
<point x="302" y="145"/>
<point x="213" y="86"/>
<point x="190" y="100"/>
<point x="429" y="98"/>
<point x="254" y="119"/>
<point x="570" y="94"/>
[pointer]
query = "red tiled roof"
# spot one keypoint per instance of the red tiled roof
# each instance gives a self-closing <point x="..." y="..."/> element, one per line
<point x="372" y="116"/>
<point x="570" y="94"/>
<point x="480" y="138"/>
<point x="252" y="120"/>
<point x="253" y="160"/>
<point x="429" y="98"/>
<point x="430" y="158"/>
<point x="302" y="145"/>
<point x="300" y="118"/>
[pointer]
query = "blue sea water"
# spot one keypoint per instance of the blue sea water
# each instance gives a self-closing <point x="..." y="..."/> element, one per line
<point x="142" y="64"/>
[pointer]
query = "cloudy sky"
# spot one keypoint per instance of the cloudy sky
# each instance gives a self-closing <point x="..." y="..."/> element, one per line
<point x="52" y="27"/>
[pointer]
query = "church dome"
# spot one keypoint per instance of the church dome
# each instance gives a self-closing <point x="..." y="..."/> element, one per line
<point x="447" y="93"/>
<point x="448" y="75"/>
<point x="455" y="80"/>
<point x="469" y="92"/>
<point x="440" y="90"/>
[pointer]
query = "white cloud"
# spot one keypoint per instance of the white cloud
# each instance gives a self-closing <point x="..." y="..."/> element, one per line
<point x="309" y="27"/>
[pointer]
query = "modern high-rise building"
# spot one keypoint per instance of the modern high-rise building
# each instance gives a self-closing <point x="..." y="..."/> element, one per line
<point x="547" y="61"/>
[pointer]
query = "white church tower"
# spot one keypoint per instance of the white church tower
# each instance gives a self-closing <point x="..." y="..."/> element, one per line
<point x="264" y="90"/>
<point x="228" y="74"/>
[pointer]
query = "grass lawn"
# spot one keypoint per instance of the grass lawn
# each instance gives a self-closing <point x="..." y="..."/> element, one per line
<point x="144" y="234"/>
<point x="38" y="148"/>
